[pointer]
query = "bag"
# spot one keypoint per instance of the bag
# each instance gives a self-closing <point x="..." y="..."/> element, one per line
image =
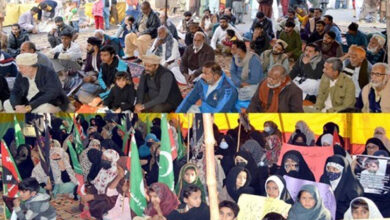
<point x="246" y="93"/>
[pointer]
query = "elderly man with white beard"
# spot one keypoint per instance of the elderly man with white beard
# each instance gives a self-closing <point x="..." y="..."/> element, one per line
<point x="375" y="49"/>
<point x="375" y="96"/>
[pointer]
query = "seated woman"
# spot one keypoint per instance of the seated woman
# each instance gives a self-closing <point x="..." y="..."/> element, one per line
<point x="246" y="72"/>
<point x="192" y="207"/>
<point x="189" y="176"/>
<point x="362" y="208"/>
<point x="65" y="181"/>
<point x="275" y="187"/>
<point x="302" y="127"/>
<point x="236" y="183"/>
<point x="309" y="205"/>
<point x="346" y="187"/>
<point x="294" y="165"/>
<point x="162" y="201"/>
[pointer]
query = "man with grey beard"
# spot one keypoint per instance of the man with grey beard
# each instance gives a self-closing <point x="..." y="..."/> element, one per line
<point x="375" y="96"/>
<point x="375" y="49"/>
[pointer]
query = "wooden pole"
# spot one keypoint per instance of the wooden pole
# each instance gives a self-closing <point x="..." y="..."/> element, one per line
<point x="388" y="30"/>
<point x="210" y="165"/>
<point x="166" y="13"/>
<point x="188" y="137"/>
<point x="239" y="135"/>
<point x="282" y="128"/>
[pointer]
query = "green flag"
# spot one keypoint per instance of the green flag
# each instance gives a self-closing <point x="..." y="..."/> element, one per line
<point x="19" y="137"/>
<point x="148" y="124"/>
<point x="74" y="158"/>
<point x="77" y="137"/>
<point x="165" y="172"/>
<point x="181" y="150"/>
<point x="137" y="191"/>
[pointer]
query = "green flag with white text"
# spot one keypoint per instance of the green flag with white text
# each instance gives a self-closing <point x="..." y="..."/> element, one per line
<point x="137" y="189"/>
<point x="19" y="137"/>
<point x="165" y="172"/>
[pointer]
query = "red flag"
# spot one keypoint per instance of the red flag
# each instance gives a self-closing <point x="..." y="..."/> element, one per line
<point x="336" y="138"/>
<point x="173" y="143"/>
<point x="10" y="175"/>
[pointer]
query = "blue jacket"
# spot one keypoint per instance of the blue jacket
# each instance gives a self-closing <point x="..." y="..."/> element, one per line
<point x="115" y="43"/>
<point x="337" y="31"/>
<point x="255" y="74"/>
<point x="121" y="67"/>
<point x="359" y="39"/>
<point x="222" y="99"/>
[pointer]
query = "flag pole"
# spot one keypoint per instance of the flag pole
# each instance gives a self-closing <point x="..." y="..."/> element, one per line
<point x="188" y="137"/>
<point x="239" y="134"/>
<point x="210" y="165"/>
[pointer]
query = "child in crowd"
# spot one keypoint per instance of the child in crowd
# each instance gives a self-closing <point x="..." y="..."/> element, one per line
<point x="122" y="95"/>
<point x="188" y="175"/>
<point x="72" y="15"/>
<point x="228" y="210"/>
<point x="35" y="205"/>
<point x="193" y="208"/>
<point x="228" y="41"/>
<point x="362" y="208"/>
<point x="97" y="12"/>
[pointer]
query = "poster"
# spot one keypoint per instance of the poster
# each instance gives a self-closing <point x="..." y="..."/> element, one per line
<point x="254" y="207"/>
<point x="294" y="185"/>
<point x="373" y="173"/>
<point x="315" y="157"/>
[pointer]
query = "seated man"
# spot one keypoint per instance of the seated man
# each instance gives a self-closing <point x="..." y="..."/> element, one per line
<point x="29" y="47"/>
<point x="47" y="9"/>
<point x="26" y="21"/>
<point x="246" y="72"/>
<point x="357" y="67"/>
<point x="170" y="25"/>
<point x="265" y="22"/>
<point x="167" y="47"/>
<point x="146" y="30"/>
<point x="375" y="95"/>
<point x="220" y="33"/>
<point x="7" y="65"/>
<point x="64" y="57"/>
<point x="157" y="89"/>
<point x="355" y="37"/>
<point x="215" y="90"/>
<point x="37" y="88"/>
<point x="15" y="39"/>
<point x="108" y="40"/>
<point x="93" y="61"/>
<point x="111" y="64"/>
<point x="277" y="93"/>
<point x="183" y="27"/>
<point x="336" y="92"/>
<point x="195" y="56"/>
<point x="281" y="22"/>
<point x="329" y="46"/>
<point x="193" y="27"/>
<point x="54" y="36"/>
<point x="311" y="24"/>
<point x="307" y="71"/>
<point x="375" y="49"/>
<point x="318" y="34"/>
<point x="260" y="40"/>
<point x="273" y="56"/>
<point x="293" y="40"/>
<point x="331" y="26"/>
<point x="128" y="26"/>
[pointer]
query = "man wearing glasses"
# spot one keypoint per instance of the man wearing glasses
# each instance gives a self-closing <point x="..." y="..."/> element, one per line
<point x="375" y="96"/>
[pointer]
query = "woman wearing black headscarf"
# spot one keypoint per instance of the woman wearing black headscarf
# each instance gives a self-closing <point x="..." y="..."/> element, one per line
<point x="373" y="145"/>
<point x="329" y="129"/>
<point x="226" y="148"/>
<point x="295" y="166"/>
<point x="245" y="159"/>
<point x="346" y="187"/>
<point x="236" y="183"/>
<point x="299" y="139"/>
<point x="23" y="161"/>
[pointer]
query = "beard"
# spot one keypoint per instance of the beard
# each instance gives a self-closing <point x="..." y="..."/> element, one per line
<point x="377" y="85"/>
<point x="276" y="53"/>
<point x="90" y="51"/>
<point x="326" y="47"/>
<point x="372" y="49"/>
<point x="274" y="86"/>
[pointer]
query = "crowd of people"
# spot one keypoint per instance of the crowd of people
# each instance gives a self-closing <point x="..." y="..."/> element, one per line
<point x="304" y="65"/>
<point x="250" y="168"/>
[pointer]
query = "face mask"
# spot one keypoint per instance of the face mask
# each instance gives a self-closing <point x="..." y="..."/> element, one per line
<point x="241" y="164"/>
<point x="223" y="145"/>
<point x="149" y="144"/>
<point x="269" y="130"/>
<point x="105" y="164"/>
<point x="333" y="176"/>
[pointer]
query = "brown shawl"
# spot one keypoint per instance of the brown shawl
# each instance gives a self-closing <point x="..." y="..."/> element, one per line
<point x="264" y="93"/>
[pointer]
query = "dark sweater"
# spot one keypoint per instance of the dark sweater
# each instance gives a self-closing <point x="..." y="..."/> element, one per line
<point x="4" y="90"/>
<point x="121" y="98"/>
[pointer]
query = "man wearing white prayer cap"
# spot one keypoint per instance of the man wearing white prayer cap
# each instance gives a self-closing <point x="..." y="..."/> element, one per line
<point x="157" y="89"/>
<point x="37" y="88"/>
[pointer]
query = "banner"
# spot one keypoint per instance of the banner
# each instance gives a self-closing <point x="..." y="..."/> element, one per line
<point x="315" y="157"/>
<point x="294" y="185"/>
<point x="373" y="173"/>
<point x="256" y="207"/>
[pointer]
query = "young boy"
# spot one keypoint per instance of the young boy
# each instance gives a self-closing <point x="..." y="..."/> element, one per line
<point x="193" y="208"/>
<point x="122" y="95"/>
<point x="228" y="210"/>
<point x="35" y="205"/>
